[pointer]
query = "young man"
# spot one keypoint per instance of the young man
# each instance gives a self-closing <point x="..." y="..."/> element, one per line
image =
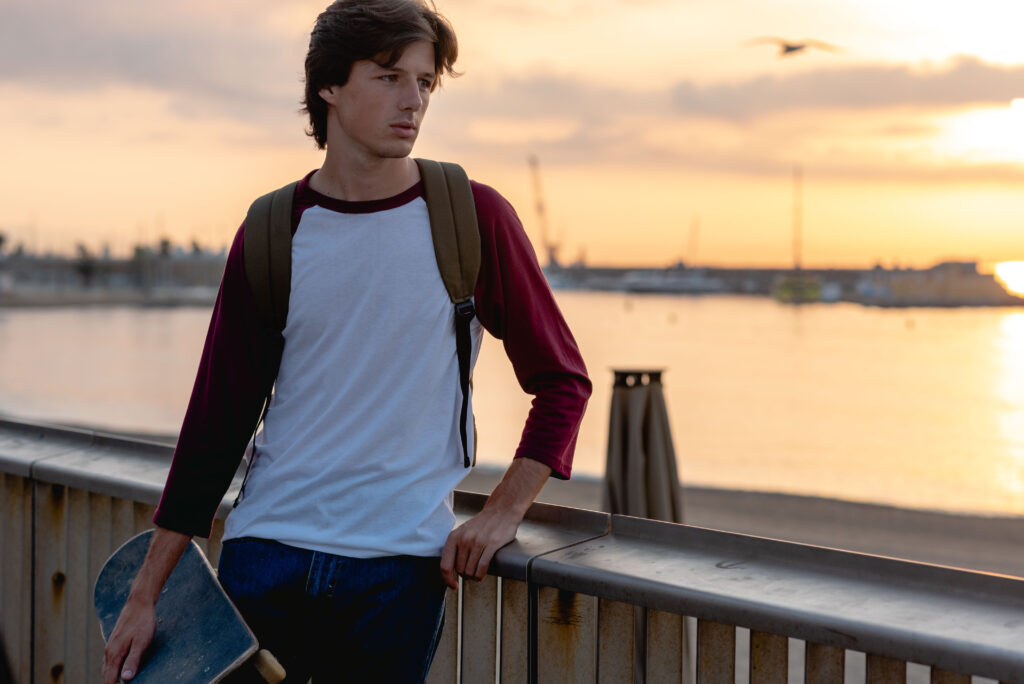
<point x="340" y="549"/>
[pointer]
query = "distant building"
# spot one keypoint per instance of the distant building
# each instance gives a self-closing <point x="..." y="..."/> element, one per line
<point x="951" y="283"/>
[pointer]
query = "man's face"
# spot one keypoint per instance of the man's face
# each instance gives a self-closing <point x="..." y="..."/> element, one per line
<point x="378" y="112"/>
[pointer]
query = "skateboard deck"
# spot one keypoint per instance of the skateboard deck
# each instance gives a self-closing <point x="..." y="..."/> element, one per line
<point x="200" y="635"/>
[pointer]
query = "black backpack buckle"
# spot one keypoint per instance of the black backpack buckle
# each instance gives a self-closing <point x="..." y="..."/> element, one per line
<point x="465" y="310"/>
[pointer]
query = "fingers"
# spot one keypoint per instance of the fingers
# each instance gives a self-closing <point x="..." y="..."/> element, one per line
<point x="471" y="568"/>
<point x="485" y="562"/>
<point x="131" y="663"/>
<point x="112" y="658"/>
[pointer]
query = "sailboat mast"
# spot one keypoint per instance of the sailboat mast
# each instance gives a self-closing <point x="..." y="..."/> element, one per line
<point x="550" y="248"/>
<point x="798" y="215"/>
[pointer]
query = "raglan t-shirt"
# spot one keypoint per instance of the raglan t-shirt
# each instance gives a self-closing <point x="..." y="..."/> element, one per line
<point x="360" y="448"/>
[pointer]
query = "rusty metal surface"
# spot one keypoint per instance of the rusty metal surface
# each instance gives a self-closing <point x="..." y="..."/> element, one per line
<point x="616" y="656"/>
<point x="16" y="576"/>
<point x="50" y="578"/>
<point x="716" y="653"/>
<point x="515" y="643"/>
<point x="886" y="670"/>
<point x="480" y="644"/>
<point x="566" y="636"/>
<point x="769" y="658"/>
<point x="665" y="634"/>
<point x="958" y="620"/>
<point x="824" y="664"/>
<point x="947" y="677"/>
<point x="545" y="528"/>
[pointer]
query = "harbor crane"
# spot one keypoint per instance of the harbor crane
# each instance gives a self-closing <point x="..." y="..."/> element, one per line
<point x="550" y="246"/>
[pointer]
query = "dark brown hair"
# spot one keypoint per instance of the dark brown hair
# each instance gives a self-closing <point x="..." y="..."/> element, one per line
<point x="352" y="30"/>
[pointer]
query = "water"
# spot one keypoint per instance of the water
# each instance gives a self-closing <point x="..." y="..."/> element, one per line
<point x="914" y="407"/>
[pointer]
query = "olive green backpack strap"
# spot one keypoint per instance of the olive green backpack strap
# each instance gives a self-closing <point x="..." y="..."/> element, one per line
<point x="456" y="235"/>
<point x="267" y="262"/>
<point x="267" y="253"/>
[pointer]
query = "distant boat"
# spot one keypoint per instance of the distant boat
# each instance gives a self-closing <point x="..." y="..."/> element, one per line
<point x="675" y="280"/>
<point x="951" y="283"/>
<point x="797" y="288"/>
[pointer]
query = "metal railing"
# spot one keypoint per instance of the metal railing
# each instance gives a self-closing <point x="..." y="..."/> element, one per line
<point x="580" y="596"/>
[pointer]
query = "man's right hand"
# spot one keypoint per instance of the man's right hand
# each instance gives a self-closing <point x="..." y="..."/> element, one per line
<point x="137" y="623"/>
<point x="131" y="636"/>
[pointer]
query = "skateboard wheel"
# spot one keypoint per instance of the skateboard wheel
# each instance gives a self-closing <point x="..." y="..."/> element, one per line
<point x="268" y="667"/>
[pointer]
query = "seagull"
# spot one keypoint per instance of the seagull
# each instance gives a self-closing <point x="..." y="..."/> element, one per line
<point x="788" y="48"/>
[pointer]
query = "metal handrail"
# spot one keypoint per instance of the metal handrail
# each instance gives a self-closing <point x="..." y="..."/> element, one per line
<point x="954" y="619"/>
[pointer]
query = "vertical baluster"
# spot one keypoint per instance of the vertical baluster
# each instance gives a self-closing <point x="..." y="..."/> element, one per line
<point x="716" y="653"/>
<point x="664" y="646"/>
<point x="214" y="546"/>
<point x="101" y="545"/>
<point x="122" y="521"/>
<point x="143" y="516"/>
<point x="50" y="582"/>
<point x="479" y="630"/>
<point x="824" y="664"/>
<point x="16" y="575"/>
<point x="515" y="617"/>
<point x="444" y="669"/>
<point x="616" y="641"/>
<point x="940" y="676"/>
<point x="769" y="658"/>
<point x="566" y="636"/>
<point x="883" y="670"/>
<point x="78" y="590"/>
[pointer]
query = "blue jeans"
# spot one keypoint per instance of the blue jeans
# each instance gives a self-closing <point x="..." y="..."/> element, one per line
<point x="334" y="618"/>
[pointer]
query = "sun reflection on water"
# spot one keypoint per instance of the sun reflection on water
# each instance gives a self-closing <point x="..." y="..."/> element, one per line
<point x="1011" y="391"/>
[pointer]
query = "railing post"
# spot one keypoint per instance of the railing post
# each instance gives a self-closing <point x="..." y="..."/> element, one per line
<point x="616" y="661"/>
<point x="51" y="502"/>
<point x="665" y="647"/>
<point x="479" y="644"/>
<point x="769" y="658"/>
<point x="716" y="653"/>
<point x="825" y="664"/>
<point x="883" y="670"/>
<point x="566" y="636"/>
<point x="515" y="643"/>
<point x="16" y="575"/>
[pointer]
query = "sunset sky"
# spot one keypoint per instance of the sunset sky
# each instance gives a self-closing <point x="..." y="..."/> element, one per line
<point x="661" y="134"/>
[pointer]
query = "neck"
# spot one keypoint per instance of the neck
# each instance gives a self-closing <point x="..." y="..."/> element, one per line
<point x="357" y="180"/>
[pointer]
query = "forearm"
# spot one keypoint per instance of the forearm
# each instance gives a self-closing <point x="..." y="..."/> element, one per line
<point x="165" y="550"/>
<point x="518" y="489"/>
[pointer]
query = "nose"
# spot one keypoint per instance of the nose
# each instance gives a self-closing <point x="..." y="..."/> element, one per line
<point x="411" y="99"/>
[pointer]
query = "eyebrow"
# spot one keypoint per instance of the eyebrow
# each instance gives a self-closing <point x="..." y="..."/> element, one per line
<point x="423" y="74"/>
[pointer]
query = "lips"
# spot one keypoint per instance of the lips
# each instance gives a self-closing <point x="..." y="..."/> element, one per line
<point x="404" y="128"/>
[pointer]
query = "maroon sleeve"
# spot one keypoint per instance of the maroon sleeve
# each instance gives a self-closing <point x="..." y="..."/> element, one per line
<point x="239" y="362"/>
<point x="515" y="305"/>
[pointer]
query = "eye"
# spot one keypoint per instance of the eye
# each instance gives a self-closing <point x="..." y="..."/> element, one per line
<point x="389" y="78"/>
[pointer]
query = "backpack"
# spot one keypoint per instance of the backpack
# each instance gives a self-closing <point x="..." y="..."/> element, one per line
<point x="266" y="254"/>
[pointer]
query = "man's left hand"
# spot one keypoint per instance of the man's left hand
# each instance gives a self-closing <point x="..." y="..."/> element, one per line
<point x="472" y="545"/>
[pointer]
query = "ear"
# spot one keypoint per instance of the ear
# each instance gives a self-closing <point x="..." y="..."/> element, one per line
<point x="328" y="94"/>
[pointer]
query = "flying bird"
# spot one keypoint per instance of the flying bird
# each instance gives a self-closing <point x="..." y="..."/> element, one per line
<point x="788" y="47"/>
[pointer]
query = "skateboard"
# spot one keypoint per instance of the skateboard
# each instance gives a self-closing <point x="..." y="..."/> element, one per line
<point x="200" y="636"/>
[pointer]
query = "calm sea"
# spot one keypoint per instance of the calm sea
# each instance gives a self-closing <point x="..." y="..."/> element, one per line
<point x="914" y="407"/>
